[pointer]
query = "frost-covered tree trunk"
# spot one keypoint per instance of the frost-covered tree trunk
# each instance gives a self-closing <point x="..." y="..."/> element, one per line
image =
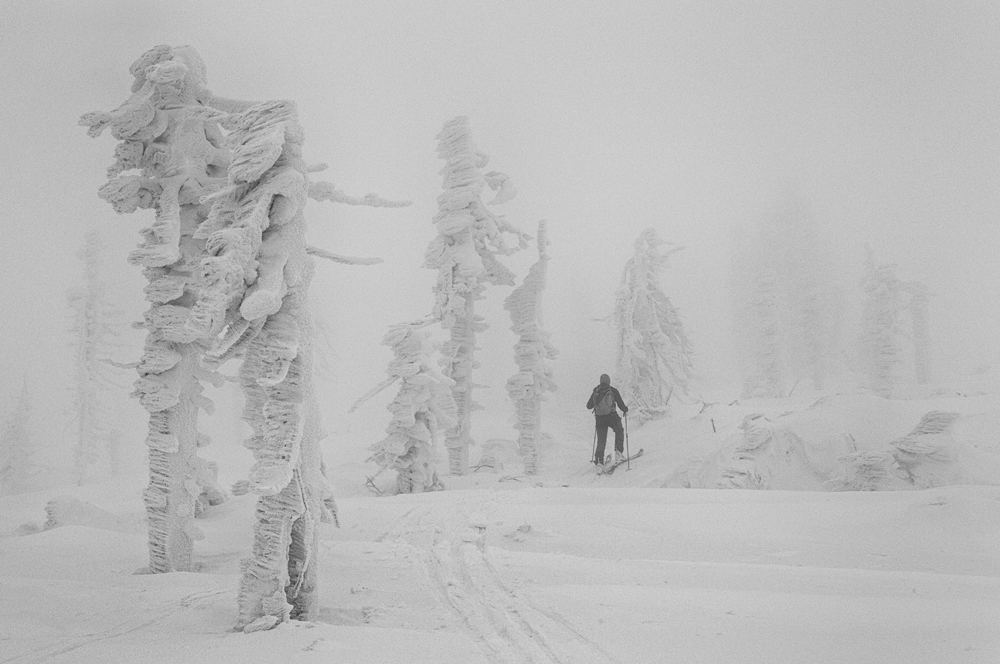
<point x="470" y="237"/>
<point x="93" y="333"/>
<point x="528" y="386"/>
<point x="255" y="283"/>
<point x="653" y="351"/>
<point x="879" y="343"/>
<point x="17" y="446"/>
<point x="169" y="133"/>
<point x="424" y="406"/>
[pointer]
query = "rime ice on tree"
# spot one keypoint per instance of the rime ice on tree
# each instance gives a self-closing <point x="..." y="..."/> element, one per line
<point x="528" y="386"/>
<point x="255" y="280"/>
<point x="653" y="351"/>
<point x="169" y="133"/>
<point x="423" y="407"/>
<point x="465" y="251"/>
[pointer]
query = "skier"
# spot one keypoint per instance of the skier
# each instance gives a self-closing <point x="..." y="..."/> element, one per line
<point x="602" y="401"/>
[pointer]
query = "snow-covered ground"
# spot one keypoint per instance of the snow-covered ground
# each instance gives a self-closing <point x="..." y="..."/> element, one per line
<point x="566" y="566"/>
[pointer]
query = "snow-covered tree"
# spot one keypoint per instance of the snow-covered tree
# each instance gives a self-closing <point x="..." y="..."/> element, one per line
<point x="653" y="351"/>
<point x="465" y="254"/>
<point x="803" y="271"/>
<point x="168" y="132"/>
<point x="423" y="409"/>
<point x="880" y="341"/>
<point x="528" y="386"/>
<point x="229" y="270"/>
<point x="94" y="338"/>
<point x="17" y="446"/>
<point x="785" y="296"/>
<point x="253" y="301"/>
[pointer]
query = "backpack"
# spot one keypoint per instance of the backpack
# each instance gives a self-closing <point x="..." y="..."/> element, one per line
<point x="603" y="404"/>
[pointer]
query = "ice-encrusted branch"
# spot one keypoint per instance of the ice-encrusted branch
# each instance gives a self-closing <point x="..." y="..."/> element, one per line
<point x="337" y="258"/>
<point x="327" y="191"/>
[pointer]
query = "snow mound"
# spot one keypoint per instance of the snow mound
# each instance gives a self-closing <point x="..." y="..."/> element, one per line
<point x="842" y="442"/>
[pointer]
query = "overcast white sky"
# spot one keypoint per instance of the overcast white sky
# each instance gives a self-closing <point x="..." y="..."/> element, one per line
<point x="610" y="117"/>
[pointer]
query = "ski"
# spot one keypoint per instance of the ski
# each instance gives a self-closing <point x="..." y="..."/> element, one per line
<point x="607" y="470"/>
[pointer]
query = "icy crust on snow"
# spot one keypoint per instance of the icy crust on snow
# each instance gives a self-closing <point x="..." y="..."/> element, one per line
<point x="423" y="408"/>
<point x="465" y="253"/>
<point x="653" y="355"/>
<point x="528" y="386"/>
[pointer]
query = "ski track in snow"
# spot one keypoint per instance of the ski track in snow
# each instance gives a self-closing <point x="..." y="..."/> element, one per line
<point x="461" y="571"/>
<point x="69" y="644"/>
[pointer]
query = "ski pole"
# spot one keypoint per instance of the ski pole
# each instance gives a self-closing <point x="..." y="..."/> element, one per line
<point x="593" y="449"/>
<point x="628" y="461"/>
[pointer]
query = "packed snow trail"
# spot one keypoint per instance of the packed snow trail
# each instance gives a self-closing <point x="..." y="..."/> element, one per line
<point x="450" y="541"/>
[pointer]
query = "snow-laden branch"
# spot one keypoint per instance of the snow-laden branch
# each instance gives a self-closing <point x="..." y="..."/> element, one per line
<point x="338" y="258"/>
<point x="327" y="191"/>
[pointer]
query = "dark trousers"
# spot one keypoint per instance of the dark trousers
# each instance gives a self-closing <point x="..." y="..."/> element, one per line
<point x="615" y="423"/>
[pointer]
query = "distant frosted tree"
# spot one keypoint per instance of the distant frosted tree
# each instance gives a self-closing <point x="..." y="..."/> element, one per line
<point x="653" y="351"/>
<point x="168" y="132"/>
<point x="765" y="377"/>
<point x="17" y="446"/>
<point x="803" y="288"/>
<point x="528" y="386"/>
<point x="919" y="320"/>
<point x="785" y="297"/>
<point x="422" y="410"/>
<point x="879" y="343"/>
<point x="94" y="338"/>
<point x="465" y="254"/>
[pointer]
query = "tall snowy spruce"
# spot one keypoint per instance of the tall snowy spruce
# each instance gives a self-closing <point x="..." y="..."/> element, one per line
<point x="528" y="386"/>
<point x="465" y="254"/>
<point x="653" y="351"/>
<point x="252" y="301"/>
<point x="94" y="339"/>
<point x="424" y="408"/>
<point x="171" y="155"/>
